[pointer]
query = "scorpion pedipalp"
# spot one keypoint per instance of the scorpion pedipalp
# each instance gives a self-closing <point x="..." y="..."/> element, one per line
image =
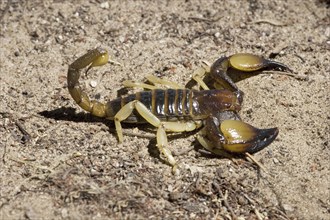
<point x="234" y="136"/>
<point x="249" y="62"/>
<point x="241" y="137"/>
<point x="226" y="71"/>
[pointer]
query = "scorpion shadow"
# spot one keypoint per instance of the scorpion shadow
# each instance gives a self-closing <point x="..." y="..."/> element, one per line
<point x="69" y="114"/>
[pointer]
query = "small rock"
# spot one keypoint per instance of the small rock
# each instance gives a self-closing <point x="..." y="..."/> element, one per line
<point x="64" y="213"/>
<point x="94" y="172"/>
<point x="30" y="214"/>
<point x="121" y="39"/>
<point x="217" y="35"/>
<point x="105" y="5"/>
<point x="288" y="208"/>
<point x="192" y="215"/>
<point x="174" y="196"/>
<point x="93" y="83"/>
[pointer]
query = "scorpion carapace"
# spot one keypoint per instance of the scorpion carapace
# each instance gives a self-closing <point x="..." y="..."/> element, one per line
<point x="178" y="109"/>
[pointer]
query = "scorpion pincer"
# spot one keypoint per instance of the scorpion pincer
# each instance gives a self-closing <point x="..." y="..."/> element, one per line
<point x="178" y="109"/>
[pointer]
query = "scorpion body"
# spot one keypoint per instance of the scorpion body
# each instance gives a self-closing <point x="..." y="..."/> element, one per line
<point x="174" y="104"/>
<point x="180" y="109"/>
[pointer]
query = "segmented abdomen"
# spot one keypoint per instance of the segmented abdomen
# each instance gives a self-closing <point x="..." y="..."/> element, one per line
<point x="167" y="105"/>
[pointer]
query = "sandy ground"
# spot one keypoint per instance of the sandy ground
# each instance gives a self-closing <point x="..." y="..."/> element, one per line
<point x="59" y="162"/>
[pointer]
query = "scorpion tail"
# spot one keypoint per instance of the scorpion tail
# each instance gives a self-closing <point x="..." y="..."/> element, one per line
<point x="96" y="57"/>
<point x="242" y="137"/>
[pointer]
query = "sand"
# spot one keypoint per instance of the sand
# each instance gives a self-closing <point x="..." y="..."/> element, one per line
<point x="58" y="161"/>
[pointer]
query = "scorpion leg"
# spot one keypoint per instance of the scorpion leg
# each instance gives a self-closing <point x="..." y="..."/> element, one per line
<point x="154" y="80"/>
<point x="197" y="76"/>
<point x="246" y="65"/>
<point x="162" y="127"/>
<point x="200" y="73"/>
<point x="234" y="136"/>
<point x="167" y="83"/>
<point x="134" y="84"/>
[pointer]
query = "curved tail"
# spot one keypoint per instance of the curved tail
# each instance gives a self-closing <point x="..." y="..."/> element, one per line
<point x="96" y="57"/>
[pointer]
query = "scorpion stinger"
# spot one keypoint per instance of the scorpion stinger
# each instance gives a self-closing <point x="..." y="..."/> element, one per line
<point x="177" y="109"/>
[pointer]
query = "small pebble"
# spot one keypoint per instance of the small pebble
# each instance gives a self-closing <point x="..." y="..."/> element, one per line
<point x="93" y="83"/>
<point x="174" y="196"/>
<point x="30" y="214"/>
<point x="64" y="213"/>
<point x="217" y="35"/>
<point x="105" y="5"/>
<point x="288" y="208"/>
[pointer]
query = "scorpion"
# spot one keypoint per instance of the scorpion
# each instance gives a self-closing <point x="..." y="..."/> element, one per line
<point x="179" y="109"/>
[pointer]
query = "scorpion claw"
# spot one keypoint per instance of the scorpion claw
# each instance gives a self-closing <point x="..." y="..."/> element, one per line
<point x="249" y="63"/>
<point x="226" y="71"/>
<point x="241" y="137"/>
<point x="273" y="65"/>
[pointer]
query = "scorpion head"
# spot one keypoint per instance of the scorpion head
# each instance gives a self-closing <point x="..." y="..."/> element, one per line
<point x="241" y="137"/>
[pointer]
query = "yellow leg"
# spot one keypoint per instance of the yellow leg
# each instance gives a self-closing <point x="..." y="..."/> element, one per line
<point x="198" y="77"/>
<point x="133" y="84"/>
<point x="167" y="83"/>
<point x="200" y="73"/>
<point x="154" y="80"/>
<point x="162" y="127"/>
<point x="162" y="144"/>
